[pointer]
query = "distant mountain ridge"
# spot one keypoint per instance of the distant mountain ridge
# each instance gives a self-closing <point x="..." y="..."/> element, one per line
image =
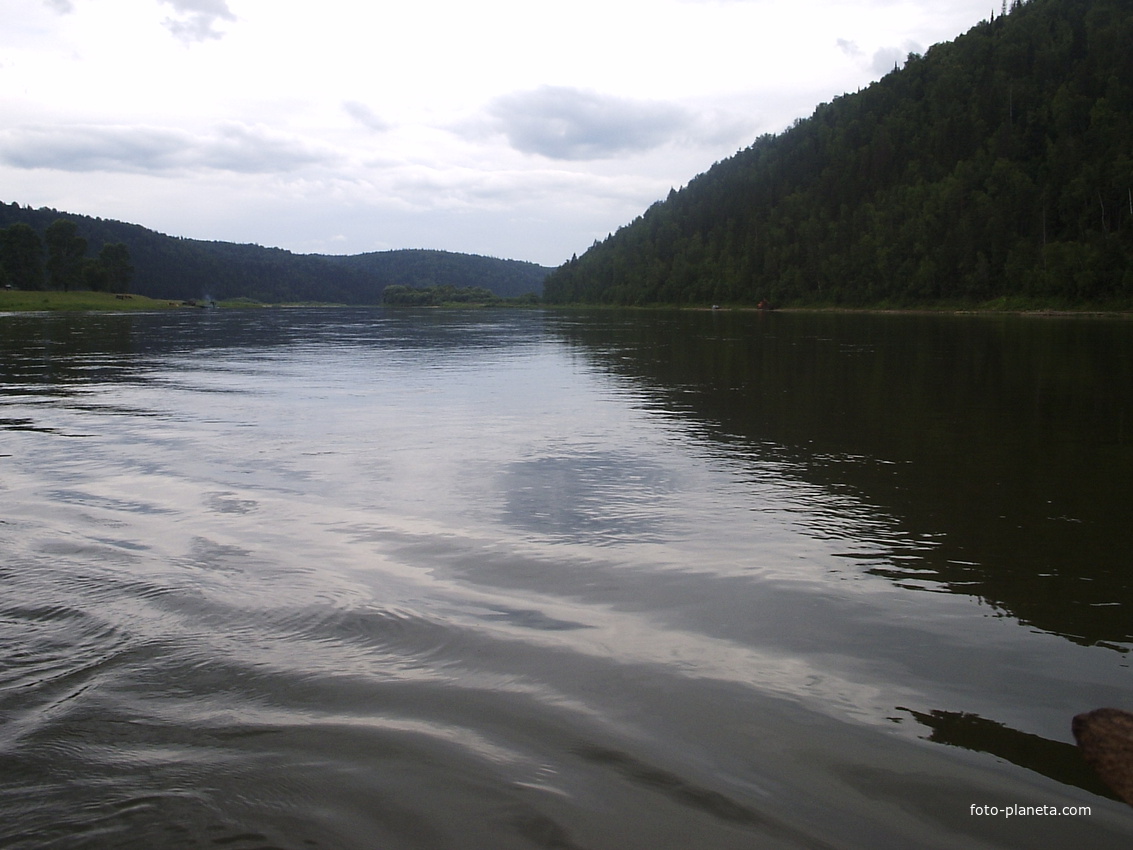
<point x="998" y="165"/>
<point x="176" y="268"/>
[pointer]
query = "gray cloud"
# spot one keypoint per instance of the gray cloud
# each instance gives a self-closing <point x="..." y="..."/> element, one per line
<point x="365" y="116"/>
<point x="885" y="59"/>
<point x="196" y="20"/>
<point x="237" y="147"/>
<point x="63" y="7"/>
<point x="92" y="148"/>
<point x="84" y="148"/>
<point x="573" y="124"/>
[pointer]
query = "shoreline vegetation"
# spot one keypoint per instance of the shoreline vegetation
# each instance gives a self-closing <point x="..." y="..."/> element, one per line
<point x="51" y="301"/>
<point x="144" y="262"/>
<point x="39" y="300"/>
<point x="19" y="301"/>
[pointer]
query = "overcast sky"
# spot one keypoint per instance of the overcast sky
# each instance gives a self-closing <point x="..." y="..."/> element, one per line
<point x="512" y="128"/>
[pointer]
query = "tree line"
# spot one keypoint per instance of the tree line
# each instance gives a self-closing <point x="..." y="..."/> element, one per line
<point x="399" y="295"/>
<point x="435" y="296"/>
<point x="59" y="260"/>
<point x="178" y="268"/>
<point x="997" y="165"/>
<point x="419" y="268"/>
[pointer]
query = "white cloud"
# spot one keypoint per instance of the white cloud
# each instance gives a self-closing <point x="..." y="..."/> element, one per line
<point x="196" y="20"/>
<point x="85" y="148"/>
<point x="365" y="116"/>
<point x="63" y="7"/>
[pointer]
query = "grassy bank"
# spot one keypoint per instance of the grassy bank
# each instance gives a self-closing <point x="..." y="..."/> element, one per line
<point x="15" y="300"/>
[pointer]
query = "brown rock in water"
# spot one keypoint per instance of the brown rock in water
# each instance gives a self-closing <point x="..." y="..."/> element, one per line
<point x="1105" y="737"/>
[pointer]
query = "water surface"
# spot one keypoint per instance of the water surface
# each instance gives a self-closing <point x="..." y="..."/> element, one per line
<point x="354" y="579"/>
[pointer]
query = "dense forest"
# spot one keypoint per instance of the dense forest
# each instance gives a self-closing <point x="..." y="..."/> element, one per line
<point x="996" y="165"/>
<point x="421" y="269"/>
<point x="59" y="260"/>
<point x="174" y="268"/>
<point x="397" y="295"/>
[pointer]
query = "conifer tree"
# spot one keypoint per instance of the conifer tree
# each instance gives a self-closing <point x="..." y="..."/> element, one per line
<point x="65" y="250"/>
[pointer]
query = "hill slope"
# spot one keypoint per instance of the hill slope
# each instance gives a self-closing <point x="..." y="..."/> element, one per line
<point x="171" y="267"/>
<point x="420" y="268"/>
<point x="997" y="164"/>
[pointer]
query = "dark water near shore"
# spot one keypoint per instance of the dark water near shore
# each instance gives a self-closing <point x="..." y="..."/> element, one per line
<point x="354" y="579"/>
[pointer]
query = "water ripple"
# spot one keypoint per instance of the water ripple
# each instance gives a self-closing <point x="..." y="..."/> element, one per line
<point x="344" y="579"/>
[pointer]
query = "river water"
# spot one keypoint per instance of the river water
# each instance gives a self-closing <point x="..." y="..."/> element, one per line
<point x="513" y="579"/>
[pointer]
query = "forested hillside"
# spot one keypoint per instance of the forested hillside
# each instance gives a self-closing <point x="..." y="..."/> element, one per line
<point x="171" y="267"/>
<point x="421" y="269"/>
<point x="999" y="164"/>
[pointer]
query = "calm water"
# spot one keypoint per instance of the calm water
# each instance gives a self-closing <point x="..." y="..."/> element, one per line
<point x="353" y="579"/>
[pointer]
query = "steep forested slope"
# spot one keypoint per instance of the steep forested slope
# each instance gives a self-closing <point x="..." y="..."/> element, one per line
<point x="997" y="164"/>
<point x="171" y="267"/>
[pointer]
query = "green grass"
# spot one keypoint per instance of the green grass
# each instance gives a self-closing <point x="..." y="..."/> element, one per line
<point x="13" y="300"/>
<point x="241" y="303"/>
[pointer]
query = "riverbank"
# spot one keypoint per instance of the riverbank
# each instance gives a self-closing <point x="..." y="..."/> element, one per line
<point x="16" y="300"/>
<point x="1002" y="306"/>
<point x="53" y="301"/>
